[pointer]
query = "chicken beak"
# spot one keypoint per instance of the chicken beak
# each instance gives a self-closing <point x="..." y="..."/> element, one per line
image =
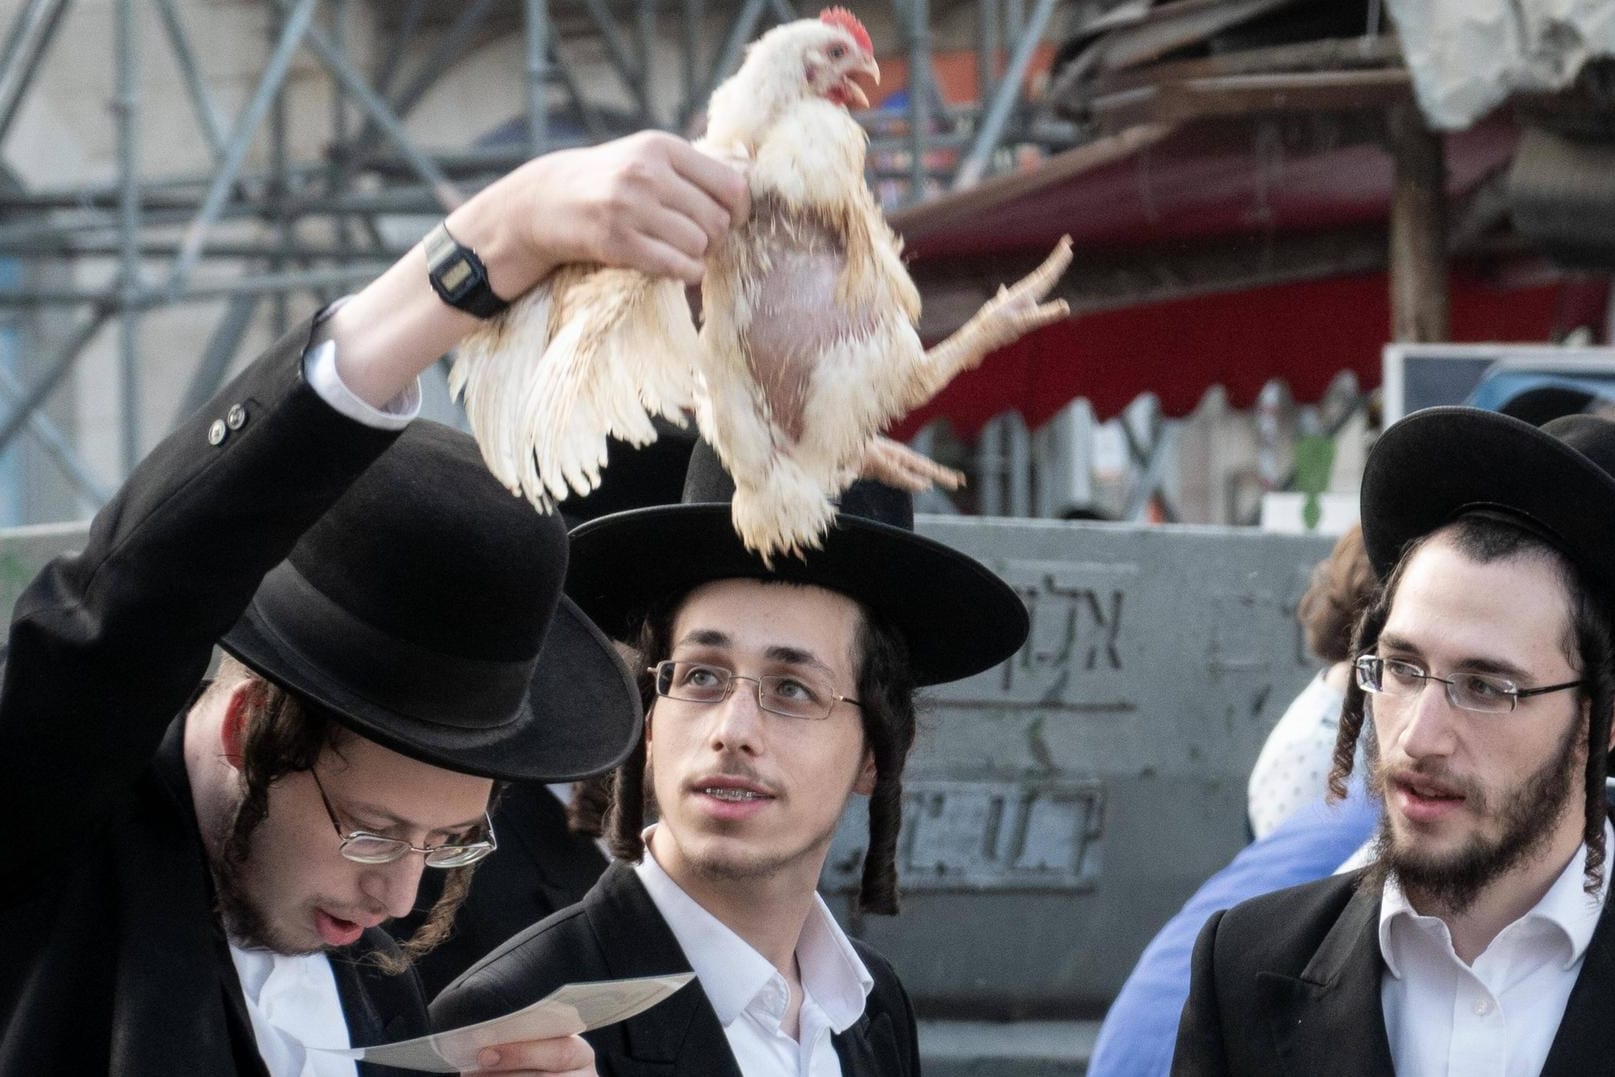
<point x="868" y="69"/>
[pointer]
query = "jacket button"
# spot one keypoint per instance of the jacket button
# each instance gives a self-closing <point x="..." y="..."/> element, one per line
<point x="217" y="433"/>
<point x="236" y="417"/>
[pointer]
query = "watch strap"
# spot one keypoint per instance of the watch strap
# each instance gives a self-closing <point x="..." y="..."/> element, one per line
<point x="458" y="275"/>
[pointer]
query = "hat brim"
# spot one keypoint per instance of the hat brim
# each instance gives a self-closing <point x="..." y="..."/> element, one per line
<point x="956" y="615"/>
<point x="1440" y="463"/>
<point x="579" y="715"/>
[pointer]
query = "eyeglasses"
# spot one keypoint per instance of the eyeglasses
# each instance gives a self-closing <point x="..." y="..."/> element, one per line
<point x="1483" y="692"/>
<point x="363" y="847"/>
<point x="793" y="695"/>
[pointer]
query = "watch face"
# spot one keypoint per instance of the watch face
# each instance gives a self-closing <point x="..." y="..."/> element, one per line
<point x="455" y="275"/>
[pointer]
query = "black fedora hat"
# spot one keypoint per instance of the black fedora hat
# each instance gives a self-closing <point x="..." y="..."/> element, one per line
<point x="425" y="611"/>
<point x="956" y="615"/>
<point x="1556" y="481"/>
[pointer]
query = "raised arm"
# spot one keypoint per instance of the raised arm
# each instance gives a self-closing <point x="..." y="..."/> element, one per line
<point x="649" y="202"/>
<point x="106" y="645"/>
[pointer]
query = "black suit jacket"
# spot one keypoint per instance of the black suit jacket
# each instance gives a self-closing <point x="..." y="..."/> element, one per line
<point x="616" y="932"/>
<point x="541" y="867"/>
<point x="111" y="957"/>
<point x="1289" y="983"/>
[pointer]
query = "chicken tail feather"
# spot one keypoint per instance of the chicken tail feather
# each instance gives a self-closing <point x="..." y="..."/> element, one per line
<point x="593" y="356"/>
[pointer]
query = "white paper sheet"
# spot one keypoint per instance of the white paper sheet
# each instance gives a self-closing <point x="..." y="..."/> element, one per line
<point x="566" y="1011"/>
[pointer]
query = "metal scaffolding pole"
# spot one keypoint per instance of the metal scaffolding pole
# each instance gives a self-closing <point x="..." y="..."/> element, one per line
<point x="919" y="95"/>
<point x="185" y="60"/>
<point x="536" y="27"/>
<point x="249" y="220"/>
<point x="31" y="33"/>
<point x="128" y="110"/>
<point x="55" y="371"/>
<point x="991" y="131"/>
<point x="447" y="194"/>
<point x="56" y="444"/>
<point x="297" y="23"/>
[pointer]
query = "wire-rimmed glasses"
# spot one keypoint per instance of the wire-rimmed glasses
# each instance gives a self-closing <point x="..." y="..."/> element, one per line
<point x="1487" y="693"/>
<point x="792" y="695"/>
<point x="363" y="847"/>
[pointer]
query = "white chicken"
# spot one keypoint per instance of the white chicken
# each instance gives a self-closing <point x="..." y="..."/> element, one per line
<point x="808" y="345"/>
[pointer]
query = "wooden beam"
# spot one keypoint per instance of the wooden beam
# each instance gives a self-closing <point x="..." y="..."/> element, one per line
<point x="1329" y="54"/>
<point x="952" y="289"/>
<point x="1245" y="95"/>
<point x="1418" y="231"/>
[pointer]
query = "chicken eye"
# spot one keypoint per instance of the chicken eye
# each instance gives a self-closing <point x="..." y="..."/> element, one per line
<point x="837" y="52"/>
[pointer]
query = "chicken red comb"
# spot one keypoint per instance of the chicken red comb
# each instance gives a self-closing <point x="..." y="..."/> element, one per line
<point x="840" y="16"/>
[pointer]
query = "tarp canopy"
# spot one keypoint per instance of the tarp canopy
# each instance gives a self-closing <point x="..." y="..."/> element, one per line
<point x="1227" y="252"/>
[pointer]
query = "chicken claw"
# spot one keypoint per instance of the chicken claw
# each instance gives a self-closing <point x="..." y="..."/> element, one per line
<point x="895" y="464"/>
<point x="1006" y="317"/>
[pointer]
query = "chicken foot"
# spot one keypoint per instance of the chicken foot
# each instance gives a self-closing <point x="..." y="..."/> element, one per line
<point x="1006" y="317"/>
<point x="895" y="464"/>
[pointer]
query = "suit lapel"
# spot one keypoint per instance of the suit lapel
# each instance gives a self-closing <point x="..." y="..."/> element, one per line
<point x="1328" y="1020"/>
<point x="1585" y="1041"/>
<point x="378" y="1006"/>
<point x="868" y="1048"/>
<point x="680" y="1036"/>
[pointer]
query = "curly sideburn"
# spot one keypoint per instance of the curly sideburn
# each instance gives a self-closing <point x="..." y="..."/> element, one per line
<point x="886" y="690"/>
<point x="1589" y="643"/>
<point x="286" y="734"/>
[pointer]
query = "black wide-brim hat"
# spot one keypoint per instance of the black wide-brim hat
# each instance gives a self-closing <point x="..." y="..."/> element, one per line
<point x="956" y="616"/>
<point x="425" y="611"/>
<point x="1556" y="481"/>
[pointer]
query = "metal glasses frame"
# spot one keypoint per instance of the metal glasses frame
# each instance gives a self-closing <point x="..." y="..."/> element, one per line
<point x="463" y="853"/>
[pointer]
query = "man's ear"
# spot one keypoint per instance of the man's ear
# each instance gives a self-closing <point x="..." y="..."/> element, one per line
<point x="865" y="785"/>
<point x="244" y="700"/>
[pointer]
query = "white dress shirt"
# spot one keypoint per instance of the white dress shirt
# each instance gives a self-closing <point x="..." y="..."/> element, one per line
<point x="293" y="1001"/>
<point x="750" y="996"/>
<point x="1497" y="1017"/>
<point x="319" y="370"/>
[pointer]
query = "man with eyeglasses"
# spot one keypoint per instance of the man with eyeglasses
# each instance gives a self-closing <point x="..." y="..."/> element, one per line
<point x="201" y="894"/>
<point x="1478" y="940"/>
<point x="773" y="694"/>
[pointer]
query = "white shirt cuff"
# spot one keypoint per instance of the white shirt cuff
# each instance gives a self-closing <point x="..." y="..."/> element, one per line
<point x="319" y="368"/>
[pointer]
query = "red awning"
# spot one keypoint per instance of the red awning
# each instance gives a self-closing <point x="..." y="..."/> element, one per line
<point x="1303" y="333"/>
<point x="1245" y="185"/>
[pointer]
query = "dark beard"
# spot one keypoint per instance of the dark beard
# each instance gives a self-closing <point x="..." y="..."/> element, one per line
<point x="244" y="920"/>
<point x="1453" y="882"/>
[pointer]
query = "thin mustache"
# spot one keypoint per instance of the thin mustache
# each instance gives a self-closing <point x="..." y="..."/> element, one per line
<point x="742" y="774"/>
<point x="1417" y="774"/>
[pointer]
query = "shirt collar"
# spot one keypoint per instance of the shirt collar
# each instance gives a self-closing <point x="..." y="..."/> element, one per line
<point x="1565" y="906"/>
<point x="733" y="973"/>
<point x="294" y="1005"/>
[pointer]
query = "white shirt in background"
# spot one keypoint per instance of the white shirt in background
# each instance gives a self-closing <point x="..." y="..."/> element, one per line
<point x="1293" y="766"/>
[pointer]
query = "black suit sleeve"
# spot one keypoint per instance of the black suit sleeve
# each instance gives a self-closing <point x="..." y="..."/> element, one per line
<point x="106" y="645"/>
<point x="552" y="953"/>
<point x="1200" y="1051"/>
